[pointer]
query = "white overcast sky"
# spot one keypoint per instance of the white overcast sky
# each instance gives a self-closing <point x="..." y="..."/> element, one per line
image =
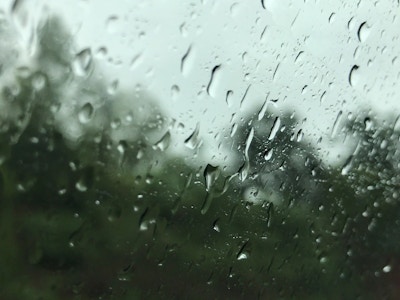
<point x="248" y="42"/>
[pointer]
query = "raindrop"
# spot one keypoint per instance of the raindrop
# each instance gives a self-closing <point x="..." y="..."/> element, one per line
<point x="164" y="142"/>
<point x="299" y="136"/>
<point x="354" y="75"/>
<point x="245" y="95"/>
<point x="19" y="12"/>
<point x="229" y="98"/>
<point x="234" y="9"/>
<point x="82" y="62"/>
<point x="299" y="56"/>
<point x="113" y="87"/>
<point x="268" y="154"/>
<point x="175" y="92"/>
<point x="323" y="97"/>
<point x="193" y="141"/>
<point x="101" y="52"/>
<point x="143" y="225"/>
<point x="276" y="71"/>
<point x="263" y="4"/>
<point x="187" y="61"/>
<point x="136" y="60"/>
<point x="263" y="109"/>
<point x="207" y="203"/>
<point x="216" y="226"/>
<point x="86" y="113"/>
<point x="332" y="17"/>
<point x="336" y="124"/>
<point x="244" y="170"/>
<point x="112" y="24"/>
<point x="274" y="129"/>
<point x="80" y="186"/>
<point x="38" y="81"/>
<point x="363" y="32"/>
<point x="368" y="124"/>
<point x="211" y="175"/>
<point x="347" y="166"/>
<point x="243" y="254"/>
<point x="387" y="269"/>
<point x="214" y="79"/>
<point x="122" y="146"/>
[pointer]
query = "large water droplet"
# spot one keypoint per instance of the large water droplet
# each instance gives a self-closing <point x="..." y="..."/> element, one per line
<point x="274" y="129"/>
<point x="82" y="62"/>
<point x="214" y="80"/>
<point x="268" y="154"/>
<point x="164" y="142"/>
<point x="86" y="113"/>
<point x="211" y="175"/>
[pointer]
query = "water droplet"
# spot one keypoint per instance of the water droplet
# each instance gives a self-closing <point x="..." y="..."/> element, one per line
<point x="336" y="124"/>
<point x="332" y="17"/>
<point x="245" y="95"/>
<point x="347" y="165"/>
<point x="20" y="12"/>
<point x="276" y="71"/>
<point x="112" y="24"/>
<point x="136" y="60"/>
<point x="211" y="175"/>
<point x="193" y="141"/>
<point x="113" y="87"/>
<point x="229" y="98"/>
<point x="164" y="142"/>
<point x="216" y="226"/>
<point x="214" y="80"/>
<point x="86" y="113"/>
<point x="243" y="254"/>
<point x="323" y="97"/>
<point x="263" y="109"/>
<point x="354" y="75"/>
<point x="234" y="9"/>
<point x="175" y="92"/>
<point x="363" y="32"/>
<point x="274" y="129"/>
<point x="207" y="203"/>
<point x="268" y="154"/>
<point x="299" y="136"/>
<point x="387" y="269"/>
<point x="81" y="186"/>
<point x="82" y="62"/>
<point x="263" y="4"/>
<point x="38" y="81"/>
<point x="187" y="61"/>
<point x="368" y="124"/>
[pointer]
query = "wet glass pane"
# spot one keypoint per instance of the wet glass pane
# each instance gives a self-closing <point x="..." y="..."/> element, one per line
<point x="199" y="150"/>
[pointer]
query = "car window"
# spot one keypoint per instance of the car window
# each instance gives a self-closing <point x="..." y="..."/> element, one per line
<point x="199" y="150"/>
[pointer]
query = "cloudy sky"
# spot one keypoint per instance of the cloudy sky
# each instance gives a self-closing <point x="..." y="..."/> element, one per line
<point x="297" y="53"/>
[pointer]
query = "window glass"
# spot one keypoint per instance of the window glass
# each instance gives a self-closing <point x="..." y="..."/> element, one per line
<point x="203" y="149"/>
